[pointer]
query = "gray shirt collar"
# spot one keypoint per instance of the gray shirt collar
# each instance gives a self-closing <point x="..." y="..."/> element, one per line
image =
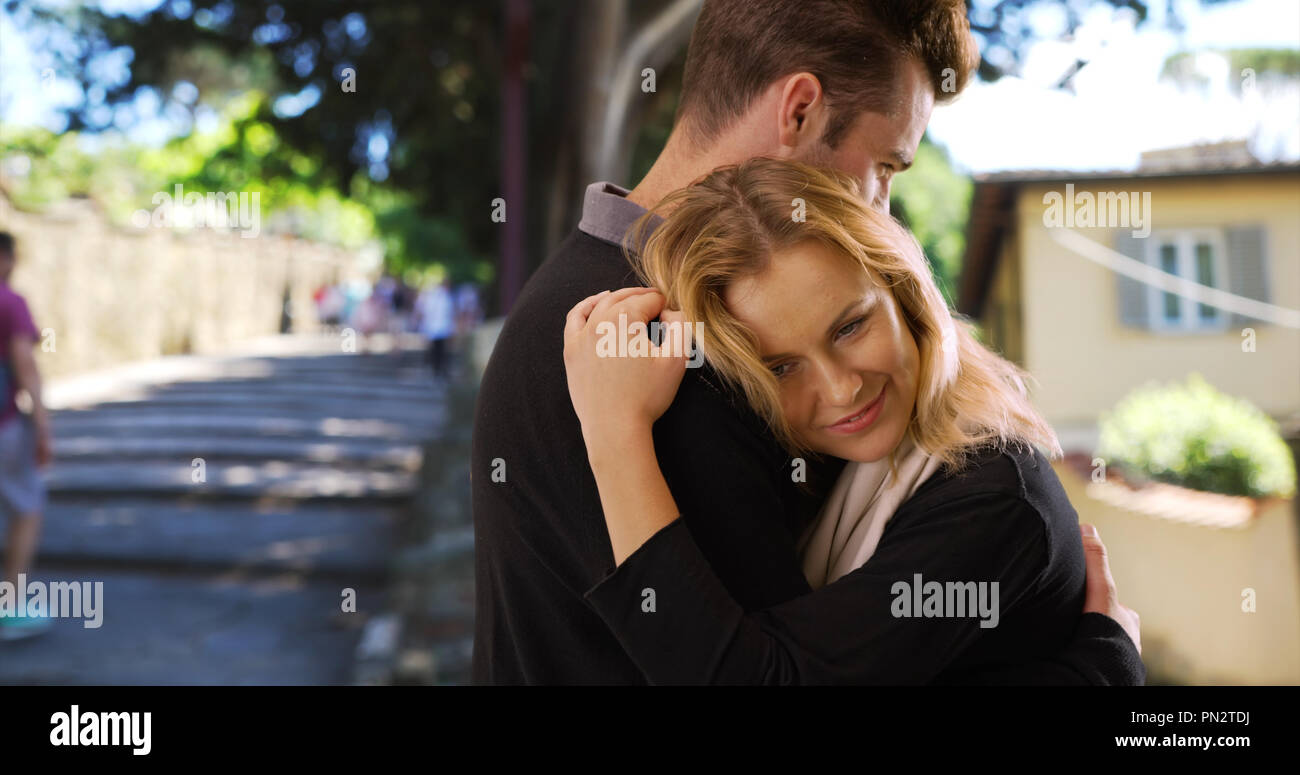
<point x="607" y="213"/>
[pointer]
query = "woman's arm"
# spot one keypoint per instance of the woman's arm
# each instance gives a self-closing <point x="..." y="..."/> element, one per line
<point x="790" y="645"/>
<point x="633" y="493"/>
<point x="666" y="605"/>
<point x="618" y="396"/>
<point x="865" y="628"/>
<point x="675" y="618"/>
<point x="1101" y="653"/>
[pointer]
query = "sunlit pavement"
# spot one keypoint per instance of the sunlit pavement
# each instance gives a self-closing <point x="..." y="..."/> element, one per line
<point x="227" y="505"/>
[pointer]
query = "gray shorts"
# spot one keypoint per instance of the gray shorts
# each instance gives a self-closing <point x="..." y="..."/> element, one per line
<point x="22" y="491"/>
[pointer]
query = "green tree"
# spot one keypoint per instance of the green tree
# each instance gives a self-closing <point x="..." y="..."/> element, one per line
<point x="934" y="201"/>
<point x="425" y="115"/>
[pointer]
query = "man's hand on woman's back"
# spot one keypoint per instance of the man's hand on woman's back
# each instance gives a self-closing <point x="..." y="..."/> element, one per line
<point x="1101" y="596"/>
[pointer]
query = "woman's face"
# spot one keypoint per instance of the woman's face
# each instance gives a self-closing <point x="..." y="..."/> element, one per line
<point x="837" y="343"/>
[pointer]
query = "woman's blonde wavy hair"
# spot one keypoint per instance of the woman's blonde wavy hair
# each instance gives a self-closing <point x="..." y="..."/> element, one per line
<point x="729" y="224"/>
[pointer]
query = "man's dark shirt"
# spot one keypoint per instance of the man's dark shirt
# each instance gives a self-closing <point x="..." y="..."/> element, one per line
<point x="540" y="536"/>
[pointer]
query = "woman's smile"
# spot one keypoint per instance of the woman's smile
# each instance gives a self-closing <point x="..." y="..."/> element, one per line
<point x="861" y="419"/>
<point x="830" y="327"/>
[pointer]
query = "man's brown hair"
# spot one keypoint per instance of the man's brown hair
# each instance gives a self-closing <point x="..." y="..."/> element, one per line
<point x="856" y="48"/>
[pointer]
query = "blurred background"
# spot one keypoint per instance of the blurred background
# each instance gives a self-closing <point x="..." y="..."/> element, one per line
<point x="268" y="245"/>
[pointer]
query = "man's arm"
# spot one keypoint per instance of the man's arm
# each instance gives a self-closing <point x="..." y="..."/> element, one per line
<point x="28" y="378"/>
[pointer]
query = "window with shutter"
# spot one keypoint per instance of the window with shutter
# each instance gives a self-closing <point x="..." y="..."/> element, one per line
<point x="1199" y="255"/>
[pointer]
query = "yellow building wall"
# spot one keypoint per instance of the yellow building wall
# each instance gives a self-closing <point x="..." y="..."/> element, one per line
<point x="1072" y="340"/>
<point x="1186" y="583"/>
<point x="1003" y="322"/>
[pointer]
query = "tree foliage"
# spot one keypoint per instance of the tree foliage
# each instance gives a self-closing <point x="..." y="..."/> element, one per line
<point x="424" y="117"/>
<point x="1193" y="435"/>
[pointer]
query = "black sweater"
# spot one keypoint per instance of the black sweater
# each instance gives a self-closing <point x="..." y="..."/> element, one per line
<point x="1003" y="520"/>
<point x="540" y="537"/>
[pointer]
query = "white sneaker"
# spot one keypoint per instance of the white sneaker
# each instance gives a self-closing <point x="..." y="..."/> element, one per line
<point x="21" y="627"/>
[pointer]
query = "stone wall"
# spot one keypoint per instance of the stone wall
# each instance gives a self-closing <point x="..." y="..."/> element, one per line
<point x="104" y="295"/>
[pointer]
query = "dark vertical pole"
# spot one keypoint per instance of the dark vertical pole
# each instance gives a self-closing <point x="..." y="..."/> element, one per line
<point x="514" y="162"/>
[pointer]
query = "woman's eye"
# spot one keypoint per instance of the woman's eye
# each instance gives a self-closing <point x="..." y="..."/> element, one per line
<point x="849" y="329"/>
<point x="781" y="369"/>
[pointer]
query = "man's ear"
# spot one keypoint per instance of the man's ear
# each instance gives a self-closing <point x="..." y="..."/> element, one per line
<point x="801" y="111"/>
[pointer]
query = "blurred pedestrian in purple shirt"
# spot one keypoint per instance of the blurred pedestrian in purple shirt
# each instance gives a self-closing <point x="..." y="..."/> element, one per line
<point x="24" y="444"/>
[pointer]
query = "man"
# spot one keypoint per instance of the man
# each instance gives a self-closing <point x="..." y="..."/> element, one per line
<point x="842" y="83"/>
<point x="24" y="442"/>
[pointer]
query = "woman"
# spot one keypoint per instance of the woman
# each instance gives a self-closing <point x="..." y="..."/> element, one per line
<point x="823" y="314"/>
